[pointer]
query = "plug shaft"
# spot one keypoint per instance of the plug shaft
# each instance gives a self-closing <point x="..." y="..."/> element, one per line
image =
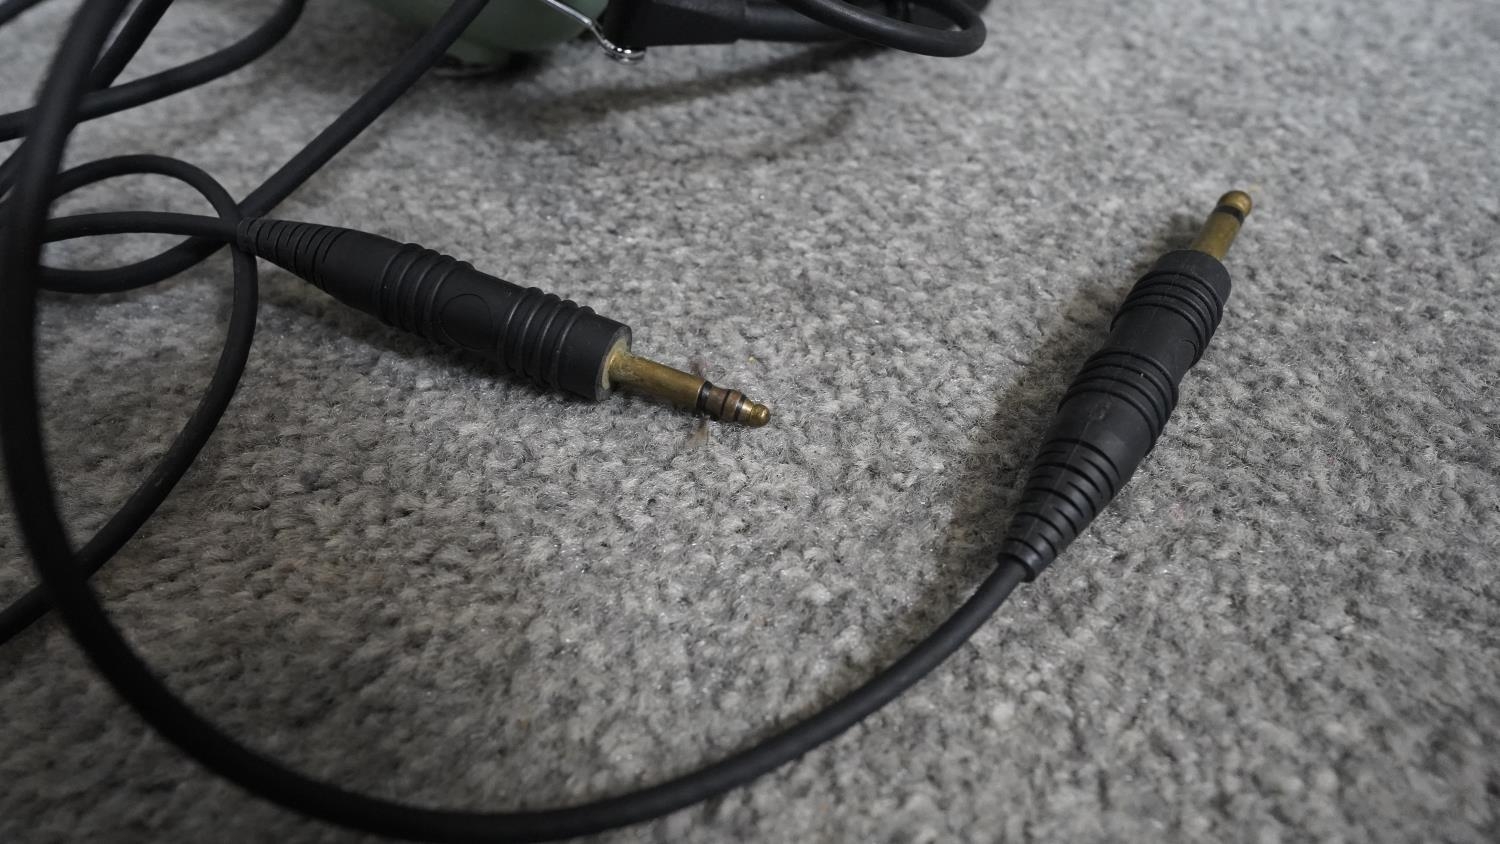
<point x="684" y="389"/>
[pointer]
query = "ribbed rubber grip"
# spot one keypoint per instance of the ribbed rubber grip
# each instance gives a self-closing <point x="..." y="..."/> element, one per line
<point x="1117" y="406"/>
<point x="550" y="340"/>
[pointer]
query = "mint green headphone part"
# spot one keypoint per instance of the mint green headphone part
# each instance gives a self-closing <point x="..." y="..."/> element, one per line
<point x="504" y="27"/>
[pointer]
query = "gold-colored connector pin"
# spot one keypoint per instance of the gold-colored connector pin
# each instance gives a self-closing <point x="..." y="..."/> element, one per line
<point x="1223" y="224"/>
<point x="684" y="389"/>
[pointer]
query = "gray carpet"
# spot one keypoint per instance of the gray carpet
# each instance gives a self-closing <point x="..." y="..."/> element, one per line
<point x="397" y="572"/>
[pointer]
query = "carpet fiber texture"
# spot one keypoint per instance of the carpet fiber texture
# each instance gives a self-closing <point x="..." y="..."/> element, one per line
<point x="398" y="572"/>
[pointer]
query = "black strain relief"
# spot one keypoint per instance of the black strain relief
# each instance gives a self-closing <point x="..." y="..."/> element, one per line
<point x="548" y="339"/>
<point x="1117" y="406"/>
<point x="299" y="248"/>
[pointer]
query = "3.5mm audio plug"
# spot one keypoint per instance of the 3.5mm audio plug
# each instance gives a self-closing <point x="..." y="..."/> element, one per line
<point x="1118" y="404"/>
<point x="552" y="341"/>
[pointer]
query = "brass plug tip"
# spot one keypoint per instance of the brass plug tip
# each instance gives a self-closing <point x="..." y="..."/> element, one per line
<point x="1239" y="201"/>
<point x="758" y="416"/>
<point x="731" y="406"/>
<point x="684" y="389"/>
<point x="1223" y="224"/>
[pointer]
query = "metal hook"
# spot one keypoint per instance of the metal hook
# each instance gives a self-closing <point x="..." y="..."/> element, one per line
<point x="624" y="55"/>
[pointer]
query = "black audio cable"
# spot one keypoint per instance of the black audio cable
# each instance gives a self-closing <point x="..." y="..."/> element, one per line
<point x="30" y="606"/>
<point x="1106" y="424"/>
<point x="106" y="98"/>
<point x="9" y="9"/>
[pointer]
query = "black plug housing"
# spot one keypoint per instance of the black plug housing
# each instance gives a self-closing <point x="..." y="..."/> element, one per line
<point x="553" y="341"/>
<point x="1119" y="402"/>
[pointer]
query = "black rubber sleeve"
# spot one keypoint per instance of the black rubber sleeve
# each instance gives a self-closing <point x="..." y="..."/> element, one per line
<point x="553" y="341"/>
<point x="661" y="23"/>
<point x="918" y="26"/>
<point x="966" y="34"/>
<point x="1117" y="406"/>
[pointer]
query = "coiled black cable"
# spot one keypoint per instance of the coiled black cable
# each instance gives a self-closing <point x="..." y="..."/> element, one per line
<point x="108" y="100"/>
<point x="22" y="612"/>
<point x="346" y="127"/>
<point x="24" y="228"/>
<point x="184" y="449"/>
<point x="127" y="42"/>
